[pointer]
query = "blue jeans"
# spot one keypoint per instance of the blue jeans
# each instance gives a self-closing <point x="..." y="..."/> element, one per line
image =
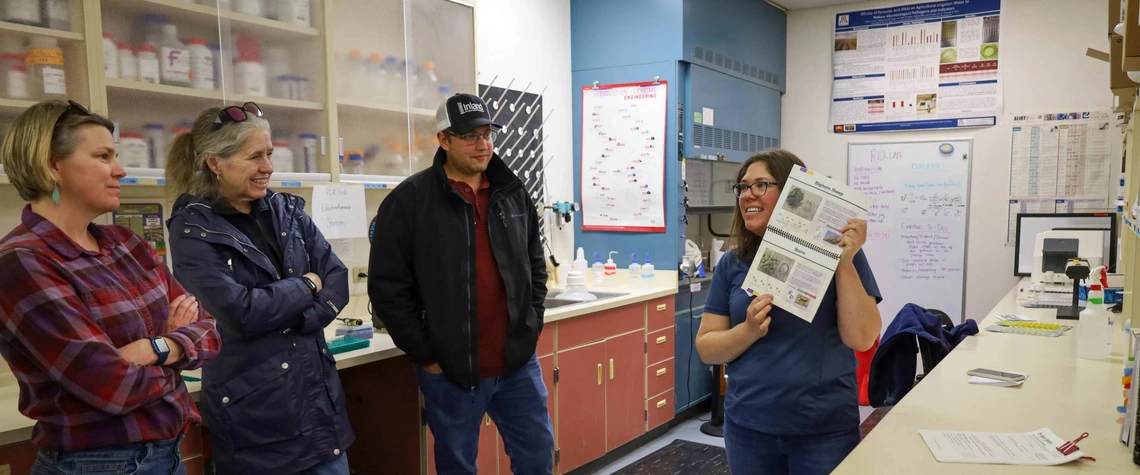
<point x="142" y="458"/>
<point x="335" y="467"/>
<point x="755" y="452"/>
<point x="517" y="404"/>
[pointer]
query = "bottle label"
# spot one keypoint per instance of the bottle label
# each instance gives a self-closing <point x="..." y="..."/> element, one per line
<point x="128" y="67"/>
<point x="53" y="57"/>
<point x="148" y="70"/>
<point x="54" y="82"/>
<point x="175" y="64"/>
<point x="110" y="61"/>
<point x="17" y="85"/>
<point x="203" y="72"/>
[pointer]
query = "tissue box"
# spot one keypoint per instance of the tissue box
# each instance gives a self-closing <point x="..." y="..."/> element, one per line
<point x="363" y="332"/>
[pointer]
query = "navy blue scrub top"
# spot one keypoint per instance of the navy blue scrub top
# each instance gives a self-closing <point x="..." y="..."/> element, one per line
<point x="800" y="378"/>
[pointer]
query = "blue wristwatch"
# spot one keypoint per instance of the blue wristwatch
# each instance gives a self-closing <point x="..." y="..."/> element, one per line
<point x="160" y="348"/>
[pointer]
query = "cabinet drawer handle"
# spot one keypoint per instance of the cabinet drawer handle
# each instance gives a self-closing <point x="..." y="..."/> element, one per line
<point x="662" y="307"/>
<point x="660" y="340"/>
<point x="661" y="404"/>
<point x="486" y="420"/>
<point x="611" y="369"/>
<point x="661" y="372"/>
<point x="599" y="374"/>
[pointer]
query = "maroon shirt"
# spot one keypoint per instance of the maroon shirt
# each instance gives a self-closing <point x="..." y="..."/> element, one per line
<point x="490" y="291"/>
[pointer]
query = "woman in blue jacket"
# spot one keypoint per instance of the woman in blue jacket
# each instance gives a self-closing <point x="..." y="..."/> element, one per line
<point x="791" y="405"/>
<point x="272" y="398"/>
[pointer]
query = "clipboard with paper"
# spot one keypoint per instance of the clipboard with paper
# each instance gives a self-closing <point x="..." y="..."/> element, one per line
<point x="799" y="253"/>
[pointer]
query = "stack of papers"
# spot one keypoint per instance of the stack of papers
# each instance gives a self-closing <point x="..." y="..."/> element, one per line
<point x="1030" y="448"/>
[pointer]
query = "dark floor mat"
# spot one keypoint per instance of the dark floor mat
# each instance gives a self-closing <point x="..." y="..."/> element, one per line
<point x="681" y="457"/>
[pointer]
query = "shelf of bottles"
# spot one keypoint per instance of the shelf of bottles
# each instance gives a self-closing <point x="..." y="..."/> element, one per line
<point x="42" y="54"/>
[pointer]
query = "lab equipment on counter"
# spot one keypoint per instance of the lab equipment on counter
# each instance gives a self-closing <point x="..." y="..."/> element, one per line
<point x="340" y="345"/>
<point x="1075" y="269"/>
<point x="634" y="271"/>
<point x="354" y="328"/>
<point x="647" y="272"/>
<point x="610" y="269"/>
<point x="1054" y="249"/>
<point x="599" y="269"/>
<point x="1030" y="225"/>
<point x="47" y="79"/>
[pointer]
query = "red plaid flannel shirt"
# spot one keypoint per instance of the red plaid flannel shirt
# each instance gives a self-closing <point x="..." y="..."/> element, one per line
<point x="65" y="311"/>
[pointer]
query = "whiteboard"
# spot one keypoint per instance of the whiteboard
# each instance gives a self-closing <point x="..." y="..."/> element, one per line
<point x="917" y="227"/>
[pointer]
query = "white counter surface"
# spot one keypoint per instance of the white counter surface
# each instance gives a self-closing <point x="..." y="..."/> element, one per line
<point x="14" y="427"/>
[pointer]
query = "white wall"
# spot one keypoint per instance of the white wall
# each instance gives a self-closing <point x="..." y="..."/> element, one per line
<point x="1044" y="69"/>
<point x="529" y="41"/>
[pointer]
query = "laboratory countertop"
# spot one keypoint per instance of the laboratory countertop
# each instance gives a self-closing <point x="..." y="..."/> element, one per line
<point x="1062" y="393"/>
<point x="15" y="428"/>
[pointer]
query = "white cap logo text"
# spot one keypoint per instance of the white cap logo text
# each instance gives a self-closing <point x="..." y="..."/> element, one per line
<point x="473" y="107"/>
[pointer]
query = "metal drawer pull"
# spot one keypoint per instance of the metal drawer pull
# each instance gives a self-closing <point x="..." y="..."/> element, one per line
<point x="660" y="340"/>
<point x="599" y="374"/>
<point x="611" y="369"/>
<point x="662" y="307"/>
<point x="661" y="404"/>
<point x="661" y="372"/>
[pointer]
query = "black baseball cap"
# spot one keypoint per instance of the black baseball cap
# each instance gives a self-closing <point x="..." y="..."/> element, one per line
<point x="463" y="113"/>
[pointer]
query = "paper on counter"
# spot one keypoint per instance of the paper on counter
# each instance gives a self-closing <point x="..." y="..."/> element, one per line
<point x="1031" y="448"/>
<point x="1014" y="318"/>
<point x="997" y="382"/>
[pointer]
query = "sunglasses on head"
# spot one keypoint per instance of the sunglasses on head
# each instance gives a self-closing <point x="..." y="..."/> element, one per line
<point x="240" y="113"/>
<point x="72" y="108"/>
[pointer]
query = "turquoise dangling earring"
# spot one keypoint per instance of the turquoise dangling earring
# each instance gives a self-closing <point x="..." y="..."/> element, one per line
<point x="55" y="196"/>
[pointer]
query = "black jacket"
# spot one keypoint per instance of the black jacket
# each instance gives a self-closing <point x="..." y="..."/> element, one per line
<point x="421" y="273"/>
<point x="272" y="397"/>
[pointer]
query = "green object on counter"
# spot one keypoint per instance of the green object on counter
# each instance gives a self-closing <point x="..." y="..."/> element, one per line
<point x="341" y="345"/>
<point x="190" y="379"/>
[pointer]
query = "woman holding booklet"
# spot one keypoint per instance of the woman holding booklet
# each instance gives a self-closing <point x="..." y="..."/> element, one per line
<point x="791" y="403"/>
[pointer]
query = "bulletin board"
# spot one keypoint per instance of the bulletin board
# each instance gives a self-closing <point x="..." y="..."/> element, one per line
<point x="623" y="157"/>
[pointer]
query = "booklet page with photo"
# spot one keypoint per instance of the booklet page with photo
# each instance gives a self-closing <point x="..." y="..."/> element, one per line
<point x="799" y="253"/>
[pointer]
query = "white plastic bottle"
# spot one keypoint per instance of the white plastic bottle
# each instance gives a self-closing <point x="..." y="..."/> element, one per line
<point x="128" y="64"/>
<point x="282" y="158"/>
<point x="155" y="135"/>
<point x="133" y="150"/>
<point x="429" y="86"/>
<point x="148" y="64"/>
<point x="16" y="82"/>
<point x="1092" y="328"/>
<point x="634" y="271"/>
<point x="293" y="11"/>
<point x="173" y="58"/>
<point x="580" y="261"/>
<point x="355" y="164"/>
<point x="45" y="69"/>
<point x="250" y="75"/>
<point x="307" y="159"/>
<point x="201" y="64"/>
<point x="647" y="272"/>
<point x="599" y="269"/>
<point x="610" y="269"/>
<point x="250" y="7"/>
<point x="57" y="14"/>
<point x="110" y="57"/>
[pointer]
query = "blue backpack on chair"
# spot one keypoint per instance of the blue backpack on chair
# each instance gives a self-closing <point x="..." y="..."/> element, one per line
<point x="914" y="330"/>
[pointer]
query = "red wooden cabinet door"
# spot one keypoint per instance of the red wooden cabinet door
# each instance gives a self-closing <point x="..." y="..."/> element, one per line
<point x="547" y="365"/>
<point x="581" y="405"/>
<point x="625" y="389"/>
<point x="488" y="449"/>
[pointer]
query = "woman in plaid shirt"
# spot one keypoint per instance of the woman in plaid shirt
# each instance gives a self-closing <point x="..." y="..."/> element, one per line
<point x="93" y="325"/>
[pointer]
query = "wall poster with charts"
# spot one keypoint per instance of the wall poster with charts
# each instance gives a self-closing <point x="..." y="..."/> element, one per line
<point x="920" y="66"/>
<point x="623" y="157"/>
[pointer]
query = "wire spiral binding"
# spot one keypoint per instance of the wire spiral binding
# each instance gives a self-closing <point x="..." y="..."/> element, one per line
<point x="809" y="245"/>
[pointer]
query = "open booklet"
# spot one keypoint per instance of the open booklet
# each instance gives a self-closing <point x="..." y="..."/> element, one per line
<point x="800" y="252"/>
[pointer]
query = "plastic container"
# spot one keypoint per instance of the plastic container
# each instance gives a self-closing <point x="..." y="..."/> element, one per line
<point x="174" y="58"/>
<point x="306" y="160"/>
<point x="610" y="270"/>
<point x="16" y="82"/>
<point x="647" y="272"/>
<point x="304" y="88"/>
<point x="282" y="86"/>
<point x="377" y="82"/>
<point x="57" y="14"/>
<point x="355" y="163"/>
<point x="282" y="158"/>
<point x="148" y="64"/>
<point x="155" y="135"/>
<point x="294" y="11"/>
<point x="250" y="7"/>
<point x="134" y="152"/>
<point x="151" y="30"/>
<point x="634" y="271"/>
<point x="128" y="63"/>
<point x="110" y="57"/>
<point x="24" y="12"/>
<point x="396" y="91"/>
<point x="47" y="79"/>
<point x="250" y="75"/>
<point x="429" y="86"/>
<point x="201" y="64"/>
<point x="1093" y="328"/>
<point x="599" y="269"/>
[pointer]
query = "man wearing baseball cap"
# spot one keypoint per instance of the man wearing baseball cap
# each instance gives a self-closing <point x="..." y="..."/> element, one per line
<point x="457" y="276"/>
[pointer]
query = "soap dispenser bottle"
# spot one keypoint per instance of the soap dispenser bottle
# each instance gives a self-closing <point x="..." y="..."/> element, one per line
<point x="599" y="269"/>
<point x="610" y="271"/>
<point x="634" y="271"/>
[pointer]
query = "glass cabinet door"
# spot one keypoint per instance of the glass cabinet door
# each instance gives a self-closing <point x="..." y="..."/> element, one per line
<point x="42" y="55"/>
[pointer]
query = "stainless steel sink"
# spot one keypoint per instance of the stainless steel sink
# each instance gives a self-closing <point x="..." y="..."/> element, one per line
<point x="552" y="302"/>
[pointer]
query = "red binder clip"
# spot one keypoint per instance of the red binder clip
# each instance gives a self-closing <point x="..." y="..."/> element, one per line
<point x="1070" y="447"/>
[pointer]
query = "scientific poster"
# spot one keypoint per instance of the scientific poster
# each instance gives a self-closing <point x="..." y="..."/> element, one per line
<point x="623" y="157"/>
<point x="921" y="66"/>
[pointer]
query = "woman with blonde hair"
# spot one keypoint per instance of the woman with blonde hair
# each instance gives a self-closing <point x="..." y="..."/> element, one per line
<point x="272" y="398"/>
<point x="92" y="323"/>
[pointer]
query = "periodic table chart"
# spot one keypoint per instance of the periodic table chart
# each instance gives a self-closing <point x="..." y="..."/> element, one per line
<point x="623" y="157"/>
